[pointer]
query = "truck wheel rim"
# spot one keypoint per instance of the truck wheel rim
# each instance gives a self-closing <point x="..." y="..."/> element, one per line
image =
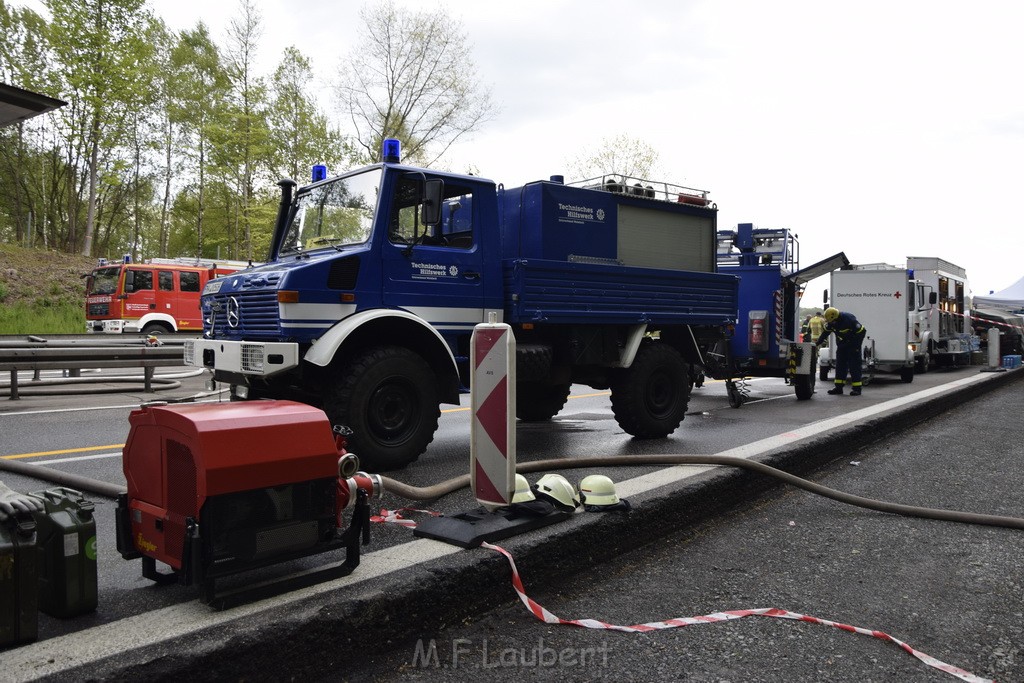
<point x="393" y="411"/>
<point x="660" y="395"/>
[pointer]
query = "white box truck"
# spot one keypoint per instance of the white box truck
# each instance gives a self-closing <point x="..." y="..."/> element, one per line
<point x="945" y="326"/>
<point x="887" y="302"/>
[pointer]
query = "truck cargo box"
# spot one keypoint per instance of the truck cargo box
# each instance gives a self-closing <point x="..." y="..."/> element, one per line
<point x="552" y="221"/>
<point x="556" y="292"/>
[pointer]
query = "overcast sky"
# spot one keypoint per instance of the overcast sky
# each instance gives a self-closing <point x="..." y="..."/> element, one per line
<point x="882" y="129"/>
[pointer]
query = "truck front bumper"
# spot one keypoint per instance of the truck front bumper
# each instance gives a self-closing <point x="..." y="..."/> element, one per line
<point x="260" y="359"/>
<point x="112" y="326"/>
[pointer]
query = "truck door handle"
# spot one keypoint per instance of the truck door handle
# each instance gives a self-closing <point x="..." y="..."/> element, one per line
<point x="470" y="274"/>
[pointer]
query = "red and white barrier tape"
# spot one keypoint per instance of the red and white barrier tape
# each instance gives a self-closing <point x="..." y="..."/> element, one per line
<point x="395" y="516"/>
<point x="541" y="613"/>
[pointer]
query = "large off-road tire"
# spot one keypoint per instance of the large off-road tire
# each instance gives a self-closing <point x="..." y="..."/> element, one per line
<point x="540" y="401"/>
<point x="649" y="398"/>
<point x="907" y="375"/>
<point x="388" y="397"/>
<point x="803" y="385"/>
<point x="533" y="362"/>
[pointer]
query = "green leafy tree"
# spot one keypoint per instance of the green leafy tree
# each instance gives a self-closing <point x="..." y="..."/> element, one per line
<point x="101" y="47"/>
<point x="245" y="141"/>
<point x="197" y="94"/>
<point x="301" y="135"/>
<point x="28" y="163"/>
<point x="412" y="77"/>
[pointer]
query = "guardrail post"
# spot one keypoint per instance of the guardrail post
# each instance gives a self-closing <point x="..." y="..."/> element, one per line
<point x="148" y="374"/>
<point x="14" y="385"/>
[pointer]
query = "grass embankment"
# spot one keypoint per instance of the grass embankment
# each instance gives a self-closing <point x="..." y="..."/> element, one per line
<point x="42" y="292"/>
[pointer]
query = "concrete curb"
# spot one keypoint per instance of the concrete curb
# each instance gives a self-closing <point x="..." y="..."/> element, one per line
<point x="331" y="631"/>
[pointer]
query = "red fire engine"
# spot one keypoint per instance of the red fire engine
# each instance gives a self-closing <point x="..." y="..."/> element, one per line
<point x="156" y="297"/>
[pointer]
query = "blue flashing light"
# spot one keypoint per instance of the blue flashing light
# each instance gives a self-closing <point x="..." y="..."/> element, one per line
<point x="910" y="273"/>
<point x="127" y="258"/>
<point x="392" y="151"/>
<point x="319" y="172"/>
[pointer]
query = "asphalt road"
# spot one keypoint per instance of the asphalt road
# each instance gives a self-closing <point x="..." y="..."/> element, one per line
<point x="83" y="434"/>
<point x="951" y="590"/>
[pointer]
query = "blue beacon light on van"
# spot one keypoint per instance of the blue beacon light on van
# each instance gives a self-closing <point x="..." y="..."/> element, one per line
<point x="319" y="172"/>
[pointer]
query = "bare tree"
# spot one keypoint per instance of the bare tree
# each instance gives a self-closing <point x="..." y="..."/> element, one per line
<point x="621" y="154"/>
<point x="411" y="77"/>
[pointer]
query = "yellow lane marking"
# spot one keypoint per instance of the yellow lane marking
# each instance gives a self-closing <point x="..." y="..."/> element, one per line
<point x="121" y="445"/>
<point x="61" y="452"/>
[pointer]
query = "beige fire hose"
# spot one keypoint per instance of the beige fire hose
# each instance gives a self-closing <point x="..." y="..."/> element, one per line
<point x="446" y="487"/>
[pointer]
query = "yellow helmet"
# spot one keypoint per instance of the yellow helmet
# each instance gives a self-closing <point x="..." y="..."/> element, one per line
<point x="598" y="489"/>
<point x="556" y="489"/>
<point x="523" y="493"/>
<point x="831" y="314"/>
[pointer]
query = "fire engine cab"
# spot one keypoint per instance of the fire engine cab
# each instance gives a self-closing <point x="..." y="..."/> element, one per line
<point x="159" y="296"/>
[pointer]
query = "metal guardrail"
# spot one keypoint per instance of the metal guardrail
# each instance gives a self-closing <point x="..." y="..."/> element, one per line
<point x="76" y="354"/>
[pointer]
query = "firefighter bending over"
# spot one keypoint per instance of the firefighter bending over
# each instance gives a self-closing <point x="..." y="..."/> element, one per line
<point x="849" y="338"/>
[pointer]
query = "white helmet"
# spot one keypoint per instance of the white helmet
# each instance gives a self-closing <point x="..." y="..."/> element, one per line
<point x="523" y="493"/>
<point x="599" y="490"/>
<point x="556" y="489"/>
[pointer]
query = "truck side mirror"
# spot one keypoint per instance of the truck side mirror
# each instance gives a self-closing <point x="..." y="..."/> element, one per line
<point x="824" y="299"/>
<point x="433" y="191"/>
<point x="933" y="298"/>
<point x="129" y="281"/>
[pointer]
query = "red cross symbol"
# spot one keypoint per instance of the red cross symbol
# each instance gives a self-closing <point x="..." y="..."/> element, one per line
<point x="897" y="294"/>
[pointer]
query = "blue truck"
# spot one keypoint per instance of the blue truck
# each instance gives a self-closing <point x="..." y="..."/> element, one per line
<point x="766" y="341"/>
<point x="377" y="277"/>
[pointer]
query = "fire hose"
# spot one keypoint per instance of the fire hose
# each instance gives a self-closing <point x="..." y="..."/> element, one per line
<point x="445" y="487"/>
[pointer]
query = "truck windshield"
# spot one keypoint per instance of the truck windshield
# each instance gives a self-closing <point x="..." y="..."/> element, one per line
<point x="104" y="280"/>
<point x="334" y="213"/>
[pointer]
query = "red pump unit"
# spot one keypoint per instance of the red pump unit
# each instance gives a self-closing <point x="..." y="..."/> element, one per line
<point x="220" y="488"/>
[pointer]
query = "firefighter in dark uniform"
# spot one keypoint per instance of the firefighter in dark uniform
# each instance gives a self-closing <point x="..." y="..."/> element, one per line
<point x="849" y="338"/>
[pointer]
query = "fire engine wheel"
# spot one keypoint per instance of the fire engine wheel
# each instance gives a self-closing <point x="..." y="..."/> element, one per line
<point x="156" y="328"/>
<point x="388" y="397"/>
<point x="649" y="398"/>
<point x="539" y="401"/>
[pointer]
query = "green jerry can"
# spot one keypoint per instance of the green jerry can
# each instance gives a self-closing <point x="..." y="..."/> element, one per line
<point x="19" y="592"/>
<point x="67" y="553"/>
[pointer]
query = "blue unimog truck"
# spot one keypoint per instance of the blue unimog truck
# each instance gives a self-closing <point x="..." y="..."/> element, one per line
<point x="377" y="277"/>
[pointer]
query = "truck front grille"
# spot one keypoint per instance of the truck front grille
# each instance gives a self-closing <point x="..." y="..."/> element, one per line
<point x="258" y="314"/>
